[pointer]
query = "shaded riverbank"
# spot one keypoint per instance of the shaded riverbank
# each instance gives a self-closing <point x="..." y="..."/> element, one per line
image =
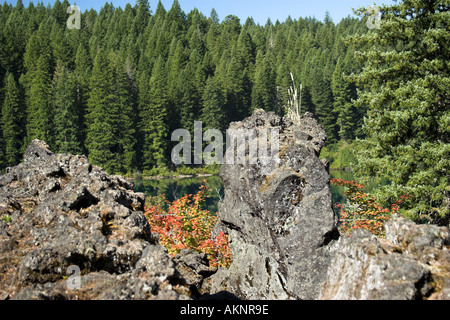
<point x="176" y="177"/>
<point x="177" y="186"/>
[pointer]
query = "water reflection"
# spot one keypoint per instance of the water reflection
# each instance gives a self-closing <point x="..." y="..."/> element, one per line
<point x="176" y="188"/>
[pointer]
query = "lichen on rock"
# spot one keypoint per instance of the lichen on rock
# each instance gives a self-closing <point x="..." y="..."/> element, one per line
<point x="280" y="222"/>
<point x="66" y="212"/>
<point x="412" y="263"/>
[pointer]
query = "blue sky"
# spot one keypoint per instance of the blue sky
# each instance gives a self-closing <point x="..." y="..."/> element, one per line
<point x="260" y="10"/>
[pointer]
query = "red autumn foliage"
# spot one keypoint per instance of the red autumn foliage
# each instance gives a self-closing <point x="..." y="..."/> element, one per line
<point x="363" y="211"/>
<point x="185" y="225"/>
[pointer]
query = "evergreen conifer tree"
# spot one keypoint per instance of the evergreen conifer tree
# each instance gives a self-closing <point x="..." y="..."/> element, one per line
<point x="123" y="101"/>
<point x="322" y="97"/>
<point x="213" y="115"/>
<point x="11" y="122"/>
<point x="66" y="113"/>
<point x="39" y="123"/>
<point x="264" y="88"/>
<point x="154" y="119"/>
<point x="142" y="15"/>
<point x="343" y="106"/>
<point x="102" y="117"/>
<point x="405" y="87"/>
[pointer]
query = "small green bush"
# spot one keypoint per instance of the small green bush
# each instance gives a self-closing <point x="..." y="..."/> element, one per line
<point x="341" y="155"/>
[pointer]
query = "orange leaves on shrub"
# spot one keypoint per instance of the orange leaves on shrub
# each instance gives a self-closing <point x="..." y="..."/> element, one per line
<point x="363" y="211"/>
<point x="185" y="225"/>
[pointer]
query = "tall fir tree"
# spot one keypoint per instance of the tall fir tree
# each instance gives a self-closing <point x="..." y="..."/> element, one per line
<point x="213" y="115"/>
<point x="13" y="39"/>
<point x="143" y="82"/>
<point x="123" y="95"/>
<point x="67" y="115"/>
<point x="322" y="97"/>
<point x="238" y="88"/>
<point x="154" y="122"/>
<point x="185" y="101"/>
<point x="142" y="15"/>
<point x="176" y="20"/>
<point x="246" y="50"/>
<point x="11" y="122"/>
<point x="264" y="88"/>
<point x="343" y="94"/>
<point x="102" y="117"/>
<point x="405" y="87"/>
<point x="39" y="123"/>
<point x="82" y="72"/>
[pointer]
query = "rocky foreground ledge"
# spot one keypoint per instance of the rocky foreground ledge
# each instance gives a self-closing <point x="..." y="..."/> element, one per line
<point x="65" y="212"/>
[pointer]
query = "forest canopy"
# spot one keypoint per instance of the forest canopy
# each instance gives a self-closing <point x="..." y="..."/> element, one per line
<point x="117" y="87"/>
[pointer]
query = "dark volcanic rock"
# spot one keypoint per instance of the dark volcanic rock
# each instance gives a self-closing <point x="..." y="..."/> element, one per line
<point x="413" y="262"/>
<point x="194" y="268"/>
<point x="280" y="219"/>
<point x="59" y="212"/>
<point x="66" y="212"/>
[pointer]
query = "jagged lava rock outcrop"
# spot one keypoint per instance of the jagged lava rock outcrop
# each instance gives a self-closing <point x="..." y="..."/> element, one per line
<point x="411" y="263"/>
<point x="66" y="212"/>
<point x="280" y="222"/>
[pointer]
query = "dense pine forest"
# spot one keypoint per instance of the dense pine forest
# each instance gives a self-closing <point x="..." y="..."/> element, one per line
<point x="116" y="88"/>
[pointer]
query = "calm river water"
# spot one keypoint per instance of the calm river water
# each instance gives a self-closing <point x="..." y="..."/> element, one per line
<point x="177" y="188"/>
